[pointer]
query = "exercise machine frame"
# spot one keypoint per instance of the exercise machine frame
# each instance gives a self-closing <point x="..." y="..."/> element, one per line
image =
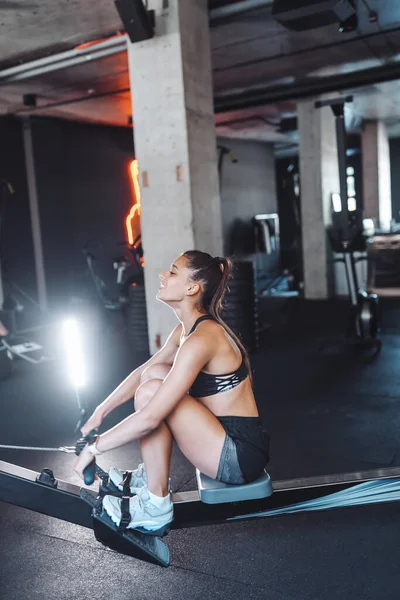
<point x="364" y="318"/>
<point x="44" y="494"/>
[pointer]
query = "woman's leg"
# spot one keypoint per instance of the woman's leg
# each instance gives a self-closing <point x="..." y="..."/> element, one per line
<point x="196" y="430"/>
<point x="199" y="435"/>
<point x="156" y="448"/>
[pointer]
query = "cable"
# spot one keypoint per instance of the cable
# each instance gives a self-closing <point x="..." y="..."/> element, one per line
<point x="66" y="449"/>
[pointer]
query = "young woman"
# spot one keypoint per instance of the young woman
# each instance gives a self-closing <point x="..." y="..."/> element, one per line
<point x="196" y="390"/>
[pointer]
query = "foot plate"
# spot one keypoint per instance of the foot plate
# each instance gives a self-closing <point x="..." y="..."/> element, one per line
<point x="131" y="542"/>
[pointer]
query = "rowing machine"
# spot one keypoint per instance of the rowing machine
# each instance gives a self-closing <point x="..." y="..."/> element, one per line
<point x="211" y="503"/>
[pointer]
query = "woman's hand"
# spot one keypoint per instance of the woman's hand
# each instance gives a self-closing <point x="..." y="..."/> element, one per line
<point x="83" y="460"/>
<point x="94" y="422"/>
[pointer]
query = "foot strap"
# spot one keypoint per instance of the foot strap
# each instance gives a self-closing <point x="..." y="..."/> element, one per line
<point x="125" y="514"/>
<point x="126" y="483"/>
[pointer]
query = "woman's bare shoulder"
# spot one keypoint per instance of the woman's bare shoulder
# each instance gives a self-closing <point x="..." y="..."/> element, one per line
<point x="213" y="332"/>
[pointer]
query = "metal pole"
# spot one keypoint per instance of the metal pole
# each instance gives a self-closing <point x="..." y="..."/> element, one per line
<point x="34" y="209"/>
<point x="341" y="152"/>
<point x="337" y="106"/>
<point x="351" y="276"/>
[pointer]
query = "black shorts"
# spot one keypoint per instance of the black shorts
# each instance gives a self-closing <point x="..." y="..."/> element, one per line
<point x="252" y="444"/>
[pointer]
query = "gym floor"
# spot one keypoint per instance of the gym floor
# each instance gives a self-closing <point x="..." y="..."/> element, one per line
<point x="327" y="412"/>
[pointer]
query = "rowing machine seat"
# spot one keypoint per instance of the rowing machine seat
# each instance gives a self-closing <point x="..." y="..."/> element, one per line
<point x="214" y="492"/>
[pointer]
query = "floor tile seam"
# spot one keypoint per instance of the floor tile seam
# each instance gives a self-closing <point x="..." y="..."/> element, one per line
<point x="42" y="534"/>
<point x="219" y="577"/>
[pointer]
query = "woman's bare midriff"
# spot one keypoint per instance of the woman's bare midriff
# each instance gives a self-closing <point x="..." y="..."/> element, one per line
<point x="238" y="402"/>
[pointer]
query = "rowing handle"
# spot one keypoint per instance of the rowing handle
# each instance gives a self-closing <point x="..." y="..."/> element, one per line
<point x="90" y="471"/>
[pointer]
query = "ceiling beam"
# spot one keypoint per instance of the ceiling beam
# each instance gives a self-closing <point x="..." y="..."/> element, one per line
<point x="228" y="11"/>
<point x="259" y="96"/>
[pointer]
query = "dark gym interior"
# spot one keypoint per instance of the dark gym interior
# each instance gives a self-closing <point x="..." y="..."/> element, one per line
<point x="326" y="378"/>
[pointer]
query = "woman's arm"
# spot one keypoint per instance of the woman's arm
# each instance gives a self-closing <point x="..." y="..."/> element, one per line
<point x="127" y="389"/>
<point x="190" y="359"/>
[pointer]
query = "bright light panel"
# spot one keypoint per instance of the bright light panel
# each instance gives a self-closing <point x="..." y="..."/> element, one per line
<point x="337" y="203"/>
<point x="74" y="352"/>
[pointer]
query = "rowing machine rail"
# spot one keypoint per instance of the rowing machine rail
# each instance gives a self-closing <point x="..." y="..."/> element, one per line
<point x="22" y="487"/>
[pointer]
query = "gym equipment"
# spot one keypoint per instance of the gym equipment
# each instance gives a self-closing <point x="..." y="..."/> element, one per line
<point x="129" y="270"/>
<point x="384" y="259"/>
<point x="346" y="237"/>
<point x="131" y="300"/>
<point x="269" y="276"/>
<point x="212" y="503"/>
<point x="14" y="343"/>
<point x="240" y="310"/>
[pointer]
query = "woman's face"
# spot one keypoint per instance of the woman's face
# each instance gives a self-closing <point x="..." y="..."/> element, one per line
<point x="175" y="282"/>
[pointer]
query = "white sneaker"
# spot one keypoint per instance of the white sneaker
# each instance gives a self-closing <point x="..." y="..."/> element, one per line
<point x="145" y="516"/>
<point x="137" y="478"/>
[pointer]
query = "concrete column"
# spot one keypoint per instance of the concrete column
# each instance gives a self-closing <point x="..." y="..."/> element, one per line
<point x="35" y="212"/>
<point x="319" y="178"/>
<point x="175" y="144"/>
<point x="376" y="173"/>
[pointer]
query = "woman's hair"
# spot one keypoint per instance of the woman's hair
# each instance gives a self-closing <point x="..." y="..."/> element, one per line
<point x="213" y="273"/>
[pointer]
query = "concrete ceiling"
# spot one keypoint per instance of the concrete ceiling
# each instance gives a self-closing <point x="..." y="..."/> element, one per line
<point x="249" y="50"/>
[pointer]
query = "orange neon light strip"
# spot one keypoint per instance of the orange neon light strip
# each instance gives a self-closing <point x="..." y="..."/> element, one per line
<point x="134" y="213"/>
<point x="97" y="41"/>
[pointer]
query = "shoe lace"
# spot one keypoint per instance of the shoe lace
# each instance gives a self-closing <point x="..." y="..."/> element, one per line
<point x="140" y="471"/>
<point x="142" y="497"/>
<point x="138" y="475"/>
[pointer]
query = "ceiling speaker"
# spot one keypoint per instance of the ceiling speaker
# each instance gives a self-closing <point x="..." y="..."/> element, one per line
<point x="300" y="15"/>
<point x="138" y="21"/>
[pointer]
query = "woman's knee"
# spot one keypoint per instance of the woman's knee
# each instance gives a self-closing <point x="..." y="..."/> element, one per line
<point x="145" y="392"/>
<point x="157" y="371"/>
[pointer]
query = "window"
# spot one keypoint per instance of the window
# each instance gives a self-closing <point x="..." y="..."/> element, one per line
<point x="351" y="189"/>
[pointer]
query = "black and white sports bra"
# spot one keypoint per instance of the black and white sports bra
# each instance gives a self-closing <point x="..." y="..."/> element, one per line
<point x="207" y="384"/>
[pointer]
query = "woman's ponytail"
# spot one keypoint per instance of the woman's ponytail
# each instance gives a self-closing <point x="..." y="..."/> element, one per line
<point x="214" y="274"/>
